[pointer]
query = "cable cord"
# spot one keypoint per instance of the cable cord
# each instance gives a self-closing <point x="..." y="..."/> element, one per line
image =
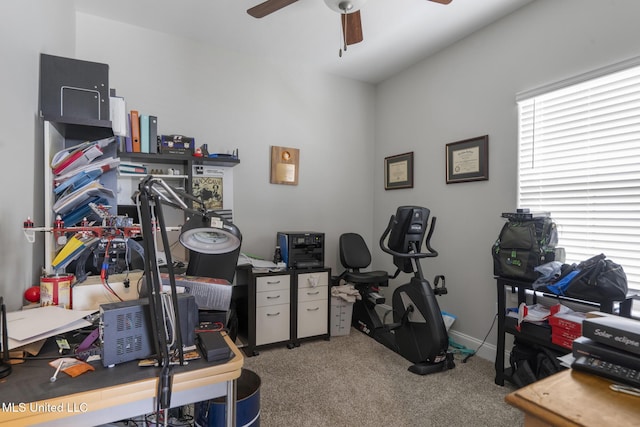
<point x="104" y="272"/>
<point x="170" y="316"/>
<point x="483" y="340"/>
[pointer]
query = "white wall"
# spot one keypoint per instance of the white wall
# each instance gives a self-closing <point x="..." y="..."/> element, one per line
<point x="469" y="90"/>
<point x="29" y="27"/>
<point x="226" y="100"/>
<point x="231" y="101"/>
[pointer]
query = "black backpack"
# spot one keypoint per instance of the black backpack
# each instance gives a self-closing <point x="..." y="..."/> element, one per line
<point x="530" y="363"/>
<point x="597" y="279"/>
<point x="522" y="245"/>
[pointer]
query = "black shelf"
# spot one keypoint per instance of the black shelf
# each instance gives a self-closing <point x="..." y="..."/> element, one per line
<point x="532" y="333"/>
<point x="180" y="159"/>
<point x="79" y="130"/>
<point x="78" y="121"/>
<point x="529" y="333"/>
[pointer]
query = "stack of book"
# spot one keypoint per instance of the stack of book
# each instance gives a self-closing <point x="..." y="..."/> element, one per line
<point x="610" y="338"/>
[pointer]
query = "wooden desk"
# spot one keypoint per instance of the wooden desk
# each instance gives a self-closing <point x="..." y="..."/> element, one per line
<point x="574" y="398"/>
<point x="133" y="394"/>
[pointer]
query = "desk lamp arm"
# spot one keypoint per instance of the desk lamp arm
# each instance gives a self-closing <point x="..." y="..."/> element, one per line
<point x="177" y="199"/>
<point x="149" y="196"/>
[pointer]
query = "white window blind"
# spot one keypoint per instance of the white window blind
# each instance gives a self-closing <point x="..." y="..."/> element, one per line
<point x="579" y="159"/>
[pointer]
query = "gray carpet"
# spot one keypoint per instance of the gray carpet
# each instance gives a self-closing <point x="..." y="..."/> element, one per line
<point x="354" y="381"/>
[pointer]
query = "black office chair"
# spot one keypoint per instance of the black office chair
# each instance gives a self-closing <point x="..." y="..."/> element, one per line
<point x="354" y="256"/>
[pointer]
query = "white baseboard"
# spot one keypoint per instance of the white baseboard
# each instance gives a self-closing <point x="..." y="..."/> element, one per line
<point x="487" y="351"/>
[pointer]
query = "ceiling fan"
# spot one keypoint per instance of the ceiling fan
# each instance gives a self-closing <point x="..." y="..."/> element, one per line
<point x="348" y="9"/>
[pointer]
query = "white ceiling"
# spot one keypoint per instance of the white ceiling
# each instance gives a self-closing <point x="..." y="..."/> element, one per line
<point x="397" y="33"/>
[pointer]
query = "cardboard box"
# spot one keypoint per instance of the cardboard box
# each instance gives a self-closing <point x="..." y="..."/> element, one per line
<point x="562" y="341"/>
<point x="571" y="322"/>
<point x="619" y="332"/>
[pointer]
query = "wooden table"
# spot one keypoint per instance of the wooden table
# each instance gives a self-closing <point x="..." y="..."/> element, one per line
<point x="110" y="394"/>
<point x="574" y="398"/>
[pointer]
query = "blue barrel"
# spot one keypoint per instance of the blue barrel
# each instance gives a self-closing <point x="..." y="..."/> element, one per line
<point x="212" y="413"/>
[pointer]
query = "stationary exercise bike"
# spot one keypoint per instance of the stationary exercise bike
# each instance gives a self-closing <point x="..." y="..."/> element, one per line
<point x="418" y="332"/>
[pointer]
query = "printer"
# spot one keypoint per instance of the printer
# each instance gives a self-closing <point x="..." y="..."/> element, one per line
<point x="301" y="249"/>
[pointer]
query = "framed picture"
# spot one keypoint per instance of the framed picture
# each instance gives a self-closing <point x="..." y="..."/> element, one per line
<point x="285" y="163"/>
<point x="468" y="160"/>
<point x="398" y="171"/>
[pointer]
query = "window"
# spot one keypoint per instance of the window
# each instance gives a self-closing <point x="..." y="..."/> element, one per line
<point x="579" y="159"/>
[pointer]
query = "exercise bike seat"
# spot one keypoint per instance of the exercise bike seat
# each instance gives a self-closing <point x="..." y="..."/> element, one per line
<point x="354" y="256"/>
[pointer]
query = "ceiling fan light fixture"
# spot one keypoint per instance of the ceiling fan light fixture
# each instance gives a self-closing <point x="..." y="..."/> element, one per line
<point x="344" y="6"/>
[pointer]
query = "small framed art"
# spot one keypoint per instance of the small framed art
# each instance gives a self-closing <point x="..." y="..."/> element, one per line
<point x="398" y="171"/>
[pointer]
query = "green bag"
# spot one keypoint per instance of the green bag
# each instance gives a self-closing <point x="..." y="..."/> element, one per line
<point x="523" y="245"/>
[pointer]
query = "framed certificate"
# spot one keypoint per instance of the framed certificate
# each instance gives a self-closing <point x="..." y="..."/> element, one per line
<point x="398" y="171"/>
<point x="468" y="160"/>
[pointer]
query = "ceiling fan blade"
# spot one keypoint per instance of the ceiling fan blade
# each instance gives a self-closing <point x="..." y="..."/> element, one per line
<point x="352" y="27"/>
<point x="441" y="1"/>
<point x="268" y="7"/>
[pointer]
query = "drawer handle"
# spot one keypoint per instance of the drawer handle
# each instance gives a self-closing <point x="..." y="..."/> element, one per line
<point x="276" y="297"/>
<point x="313" y="293"/>
<point x="273" y="283"/>
<point x="273" y="314"/>
<point x="313" y="309"/>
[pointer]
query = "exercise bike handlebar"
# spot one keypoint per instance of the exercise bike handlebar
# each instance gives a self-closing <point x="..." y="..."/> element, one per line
<point x="432" y="252"/>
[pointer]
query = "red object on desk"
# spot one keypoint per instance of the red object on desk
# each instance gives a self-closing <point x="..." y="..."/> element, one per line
<point x="32" y="294"/>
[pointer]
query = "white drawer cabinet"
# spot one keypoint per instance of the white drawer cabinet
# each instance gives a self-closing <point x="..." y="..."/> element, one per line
<point x="273" y="309"/>
<point x="264" y="309"/>
<point x="283" y="307"/>
<point x="312" y="305"/>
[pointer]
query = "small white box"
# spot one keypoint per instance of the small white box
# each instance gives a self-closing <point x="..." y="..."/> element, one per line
<point x="341" y="312"/>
